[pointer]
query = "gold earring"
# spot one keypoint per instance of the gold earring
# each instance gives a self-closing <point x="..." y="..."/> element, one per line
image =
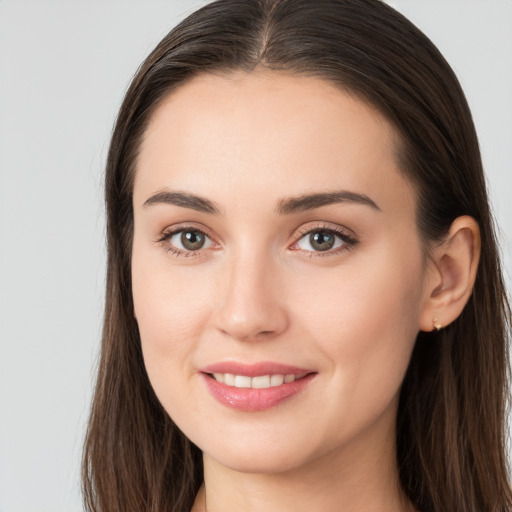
<point x="436" y="324"/>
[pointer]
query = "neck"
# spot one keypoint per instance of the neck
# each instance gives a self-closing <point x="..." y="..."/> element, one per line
<point x="360" y="478"/>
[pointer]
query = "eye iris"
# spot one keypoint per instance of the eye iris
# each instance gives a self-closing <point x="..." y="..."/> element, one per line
<point x="321" y="241"/>
<point x="192" y="240"/>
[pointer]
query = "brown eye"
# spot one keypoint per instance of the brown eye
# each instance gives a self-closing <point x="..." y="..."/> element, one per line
<point x="187" y="241"/>
<point x="326" y="240"/>
<point x="192" y="240"/>
<point x="321" y="241"/>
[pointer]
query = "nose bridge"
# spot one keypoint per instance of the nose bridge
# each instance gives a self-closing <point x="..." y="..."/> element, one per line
<point x="251" y="306"/>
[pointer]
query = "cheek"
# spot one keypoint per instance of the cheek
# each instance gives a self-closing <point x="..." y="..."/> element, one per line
<point x="170" y="309"/>
<point x="169" y="302"/>
<point x="365" y="321"/>
<point x="374" y="295"/>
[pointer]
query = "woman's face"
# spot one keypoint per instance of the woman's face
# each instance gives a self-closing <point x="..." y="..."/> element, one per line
<point x="275" y="241"/>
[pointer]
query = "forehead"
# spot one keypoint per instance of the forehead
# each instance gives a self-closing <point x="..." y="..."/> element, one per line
<point x="266" y="132"/>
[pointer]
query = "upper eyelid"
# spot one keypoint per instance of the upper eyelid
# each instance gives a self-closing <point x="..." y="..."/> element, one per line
<point x="302" y="230"/>
<point x="322" y="226"/>
<point x="177" y="228"/>
<point x="163" y="239"/>
<point x="349" y="238"/>
<point x="296" y="235"/>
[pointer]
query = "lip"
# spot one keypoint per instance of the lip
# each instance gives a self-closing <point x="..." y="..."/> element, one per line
<point x="255" y="369"/>
<point x="252" y="399"/>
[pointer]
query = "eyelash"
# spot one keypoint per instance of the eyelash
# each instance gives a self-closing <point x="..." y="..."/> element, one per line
<point x="176" y="251"/>
<point x="349" y="242"/>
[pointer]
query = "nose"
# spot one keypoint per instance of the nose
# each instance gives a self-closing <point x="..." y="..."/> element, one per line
<point x="251" y="305"/>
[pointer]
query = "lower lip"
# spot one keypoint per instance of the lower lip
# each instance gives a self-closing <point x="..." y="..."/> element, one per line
<point x="249" y="399"/>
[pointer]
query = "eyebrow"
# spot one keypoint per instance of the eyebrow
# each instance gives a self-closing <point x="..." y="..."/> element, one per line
<point x="184" y="200"/>
<point x="311" y="201"/>
<point x="286" y="206"/>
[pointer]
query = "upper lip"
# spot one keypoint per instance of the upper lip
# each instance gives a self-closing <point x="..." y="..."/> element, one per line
<point x="254" y="369"/>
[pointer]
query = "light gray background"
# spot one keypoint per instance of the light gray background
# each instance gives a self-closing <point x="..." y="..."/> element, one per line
<point x="63" y="70"/>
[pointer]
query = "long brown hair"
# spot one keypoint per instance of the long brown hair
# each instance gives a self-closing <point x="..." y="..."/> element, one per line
<point x="451" y="417"/>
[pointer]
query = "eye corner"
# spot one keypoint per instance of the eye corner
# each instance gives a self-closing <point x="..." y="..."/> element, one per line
<point x="173" y="241"/>
<point x="343" y="239"/>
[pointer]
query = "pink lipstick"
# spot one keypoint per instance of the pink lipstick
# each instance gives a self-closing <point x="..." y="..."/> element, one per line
<point x="254" y="387"/>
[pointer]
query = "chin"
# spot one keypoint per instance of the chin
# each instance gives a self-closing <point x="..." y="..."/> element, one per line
<point x="259" y="459"/>
<point x="269" y="464"/>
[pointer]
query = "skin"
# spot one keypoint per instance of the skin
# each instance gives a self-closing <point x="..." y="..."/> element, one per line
<point x="259" y="291"/>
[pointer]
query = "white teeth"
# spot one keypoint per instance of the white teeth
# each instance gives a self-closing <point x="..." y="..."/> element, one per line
<point x="276" y="380"/>
<point x="242" y="381"/>
<point x="229" y="379"/>
<point x="259" y="382"/>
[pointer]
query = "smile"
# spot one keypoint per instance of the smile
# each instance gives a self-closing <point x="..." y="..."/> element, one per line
<point x="255" y="387"/>
<point x="259" y="382"/>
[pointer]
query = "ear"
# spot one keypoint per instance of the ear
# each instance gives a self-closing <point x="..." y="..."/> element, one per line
<point x="451" y="275"/>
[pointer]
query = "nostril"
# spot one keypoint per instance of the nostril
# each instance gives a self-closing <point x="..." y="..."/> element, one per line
<point x="250" y="315"/>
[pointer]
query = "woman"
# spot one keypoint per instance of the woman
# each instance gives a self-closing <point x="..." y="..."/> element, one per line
<point x="305" y="308"/>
